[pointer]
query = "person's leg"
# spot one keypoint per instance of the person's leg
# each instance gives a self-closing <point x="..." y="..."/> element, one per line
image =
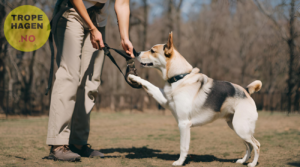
<point x="91" y="67"/>
<point x="69" y="40"/>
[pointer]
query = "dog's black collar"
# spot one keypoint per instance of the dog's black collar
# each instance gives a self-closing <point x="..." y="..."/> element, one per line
<point x="177" y="78"/>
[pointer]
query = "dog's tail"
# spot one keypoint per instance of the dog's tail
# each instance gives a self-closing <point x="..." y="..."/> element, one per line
<point x="254" y="86"/>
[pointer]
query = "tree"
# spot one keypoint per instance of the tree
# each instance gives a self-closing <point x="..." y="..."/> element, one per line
<point x="288" y="34"/>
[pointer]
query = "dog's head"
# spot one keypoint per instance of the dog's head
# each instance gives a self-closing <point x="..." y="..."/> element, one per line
<point x="158" y="55"/>
<point x="165" y="58"/>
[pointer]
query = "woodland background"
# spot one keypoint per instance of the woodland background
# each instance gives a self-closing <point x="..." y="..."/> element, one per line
<point x="233" y="40"/>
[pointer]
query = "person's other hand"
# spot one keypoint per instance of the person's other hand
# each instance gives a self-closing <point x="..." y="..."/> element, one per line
<point x="96" y="38"/>
<point x="127" y="46"/>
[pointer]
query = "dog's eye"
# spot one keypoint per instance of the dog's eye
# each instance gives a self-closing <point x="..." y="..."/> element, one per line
<point x="152" y="51"/>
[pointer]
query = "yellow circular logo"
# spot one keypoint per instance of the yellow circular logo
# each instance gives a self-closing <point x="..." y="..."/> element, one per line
<point x="27" y="28"/>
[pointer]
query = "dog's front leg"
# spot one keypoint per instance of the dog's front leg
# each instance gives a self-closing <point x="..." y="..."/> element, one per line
<point x="185" y="135"/>
<point x="151" y="90"/>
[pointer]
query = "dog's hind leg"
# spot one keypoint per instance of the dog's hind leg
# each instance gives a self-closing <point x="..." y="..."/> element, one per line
<point x="244" y="124"/>
<point x="248" y="145"/>
<point x="185" y="135"/>
<point x="256" y="146"/>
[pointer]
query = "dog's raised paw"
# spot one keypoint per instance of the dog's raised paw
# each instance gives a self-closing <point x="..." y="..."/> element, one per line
<point x="177" y="163"/>
<point x="133" y="78"/>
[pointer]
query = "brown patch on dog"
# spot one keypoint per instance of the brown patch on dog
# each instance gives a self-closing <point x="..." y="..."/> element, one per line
<point x="146" y="55"/>
<point x="171" y="54"/>
<point x="242" y="89"/>
<point x="156" y="50"/>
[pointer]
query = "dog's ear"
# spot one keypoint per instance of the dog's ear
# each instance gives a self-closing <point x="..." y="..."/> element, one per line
<point x="169" y="46"/>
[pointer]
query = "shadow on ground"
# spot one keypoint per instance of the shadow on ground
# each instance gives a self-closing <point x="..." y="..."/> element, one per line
<point x="144" y="152"/>
<point x="294" y="163"/>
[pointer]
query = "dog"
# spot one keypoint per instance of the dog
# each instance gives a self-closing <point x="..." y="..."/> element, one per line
<point x="195" y="99"/>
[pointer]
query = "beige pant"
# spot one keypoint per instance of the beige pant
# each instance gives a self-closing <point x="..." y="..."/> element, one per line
<point x="76" y="84"/>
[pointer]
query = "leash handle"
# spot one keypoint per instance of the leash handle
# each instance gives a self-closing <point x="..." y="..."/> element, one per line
<point x="123" y="53"/>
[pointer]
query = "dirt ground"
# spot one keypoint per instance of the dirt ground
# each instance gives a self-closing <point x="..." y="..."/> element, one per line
<point x="152" y="139"/>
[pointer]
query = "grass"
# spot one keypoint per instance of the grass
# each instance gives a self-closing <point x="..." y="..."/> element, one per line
<point x="152" y="139"/>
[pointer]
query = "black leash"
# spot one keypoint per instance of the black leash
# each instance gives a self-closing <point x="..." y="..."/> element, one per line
<point x="130" y="64"/>
<point x="120" y="52"/>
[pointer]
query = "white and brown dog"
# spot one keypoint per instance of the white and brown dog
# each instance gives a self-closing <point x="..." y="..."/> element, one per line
<point x="196" y="99"/>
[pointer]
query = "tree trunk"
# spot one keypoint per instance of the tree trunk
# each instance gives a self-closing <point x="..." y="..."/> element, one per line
<point x="27" y="88"/>
<point x="145" y="25"/>
<point x="169" y="20"/>
<point x="291" y="44"/>
<point x="178" y="22"/>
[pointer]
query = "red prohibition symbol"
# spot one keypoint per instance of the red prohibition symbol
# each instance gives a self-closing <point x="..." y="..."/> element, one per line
<point x="31" y="38"/>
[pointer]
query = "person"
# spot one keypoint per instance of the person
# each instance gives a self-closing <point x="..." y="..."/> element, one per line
<point x="79" y="39"/>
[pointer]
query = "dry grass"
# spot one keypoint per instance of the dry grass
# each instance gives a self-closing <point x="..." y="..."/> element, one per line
<point x="152" y="139"/>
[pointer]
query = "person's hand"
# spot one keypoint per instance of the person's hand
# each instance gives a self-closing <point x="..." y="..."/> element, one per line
<point x="96" y="38"/>
<point x="127" y="46"/>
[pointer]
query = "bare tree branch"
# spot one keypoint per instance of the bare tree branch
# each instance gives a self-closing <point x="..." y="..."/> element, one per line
<point x="267" y="13"/>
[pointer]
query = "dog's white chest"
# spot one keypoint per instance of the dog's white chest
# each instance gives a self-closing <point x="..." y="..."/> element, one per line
<point x="181" y="99"/>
